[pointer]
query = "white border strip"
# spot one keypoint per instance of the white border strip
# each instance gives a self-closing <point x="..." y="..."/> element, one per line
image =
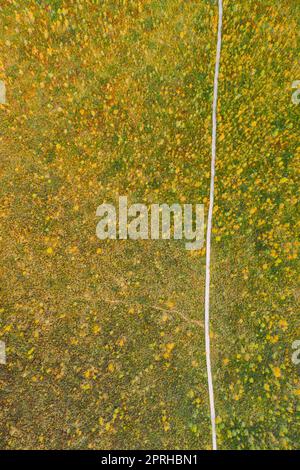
<point x="209" y="229"/>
